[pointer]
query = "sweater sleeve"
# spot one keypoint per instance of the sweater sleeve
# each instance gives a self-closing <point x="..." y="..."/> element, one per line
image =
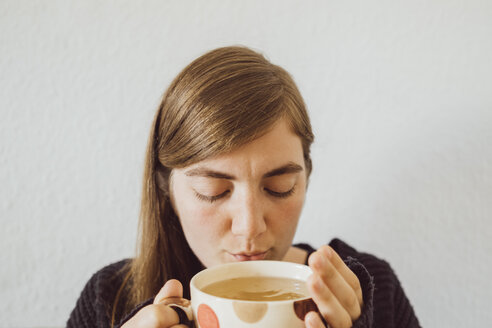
<point x="367" y="285"/>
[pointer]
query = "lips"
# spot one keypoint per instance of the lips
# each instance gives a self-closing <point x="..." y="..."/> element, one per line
<point x="250" y="256"/>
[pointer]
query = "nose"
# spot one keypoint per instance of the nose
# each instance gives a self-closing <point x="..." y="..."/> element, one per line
<point x="248" y="216"/>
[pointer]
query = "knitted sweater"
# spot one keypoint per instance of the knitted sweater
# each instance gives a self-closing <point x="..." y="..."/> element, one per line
<point x="385" y="303"/>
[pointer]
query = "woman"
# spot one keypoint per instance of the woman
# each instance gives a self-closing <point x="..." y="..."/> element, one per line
<point x="226" y="172"/>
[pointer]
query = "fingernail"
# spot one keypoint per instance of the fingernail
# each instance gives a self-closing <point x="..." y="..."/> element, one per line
<point x="327" y="251"/>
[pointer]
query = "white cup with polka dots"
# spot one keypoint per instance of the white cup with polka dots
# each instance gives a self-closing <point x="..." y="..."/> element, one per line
<point x="209" y="311"/>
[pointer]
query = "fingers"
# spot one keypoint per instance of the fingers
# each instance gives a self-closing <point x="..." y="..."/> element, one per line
<point x="172" y="288"/>
<point x="334" y="288"/>
<point x="154" y="315"/>
<point x="312" y="320"/>
<point x="327" y="303"/>
<point x="338" y="290"/>
<point x="344" y="270"/>
<point x="160" y="314"/>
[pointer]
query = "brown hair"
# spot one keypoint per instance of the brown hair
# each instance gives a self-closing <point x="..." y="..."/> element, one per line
<point x="223" y="99"/>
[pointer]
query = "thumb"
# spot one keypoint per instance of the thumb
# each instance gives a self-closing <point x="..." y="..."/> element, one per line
<point x="172" y="288"/>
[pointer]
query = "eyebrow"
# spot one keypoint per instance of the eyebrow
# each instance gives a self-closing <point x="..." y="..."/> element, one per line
<point x="208" y="173"/>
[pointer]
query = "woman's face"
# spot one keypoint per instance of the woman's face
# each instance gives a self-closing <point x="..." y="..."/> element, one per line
<point x="243" y="205"/>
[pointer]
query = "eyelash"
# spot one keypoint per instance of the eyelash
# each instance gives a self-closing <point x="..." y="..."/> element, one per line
<point x="212" y="199"/>
<point x="281" y="194"/>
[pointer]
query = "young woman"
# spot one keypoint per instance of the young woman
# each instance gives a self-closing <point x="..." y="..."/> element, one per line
<point x="226" y="173"/>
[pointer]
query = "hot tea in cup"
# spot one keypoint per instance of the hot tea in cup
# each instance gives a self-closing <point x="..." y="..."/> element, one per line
<point x="267" y="294"/>
<point x="258" y="289"/>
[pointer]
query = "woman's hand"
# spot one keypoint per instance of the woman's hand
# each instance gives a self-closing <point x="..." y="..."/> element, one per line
<point x="158" y="315"/>
<point x="335" y="289"/>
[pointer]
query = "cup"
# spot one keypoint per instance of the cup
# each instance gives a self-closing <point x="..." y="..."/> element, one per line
<point x="209" y="311"/>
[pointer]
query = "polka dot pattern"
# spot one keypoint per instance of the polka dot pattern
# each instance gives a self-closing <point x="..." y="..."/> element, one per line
<point x="250" y="312"/>
<point x="206" y="317"/>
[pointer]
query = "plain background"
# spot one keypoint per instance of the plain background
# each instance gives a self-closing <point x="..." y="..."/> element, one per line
<point x="400" y="96"/>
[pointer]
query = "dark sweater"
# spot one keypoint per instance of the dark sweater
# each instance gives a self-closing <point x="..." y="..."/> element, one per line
<point x="385" y="303"/>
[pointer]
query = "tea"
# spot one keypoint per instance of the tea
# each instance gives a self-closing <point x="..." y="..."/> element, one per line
<point x="258" y="289"/>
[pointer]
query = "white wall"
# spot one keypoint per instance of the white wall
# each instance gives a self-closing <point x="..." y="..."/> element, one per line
<point x="400" y="98"/>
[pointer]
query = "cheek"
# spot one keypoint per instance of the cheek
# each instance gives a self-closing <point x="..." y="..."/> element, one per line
<point x="287" y="214"/>
<point x="199" y="220"/>
<point x="192" y="214"/>
<point x="292" y="207"/>
<point x="203" y="231"/>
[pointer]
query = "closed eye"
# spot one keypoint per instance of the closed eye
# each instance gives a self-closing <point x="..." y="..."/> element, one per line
<point x="211" y="199"/>
<point x="284" y="194"/>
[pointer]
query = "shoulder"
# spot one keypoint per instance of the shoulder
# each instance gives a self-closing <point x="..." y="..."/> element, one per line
<point x="107" y="280"/>
<point x="96" y="299"/>
<point x="112" y="272"/>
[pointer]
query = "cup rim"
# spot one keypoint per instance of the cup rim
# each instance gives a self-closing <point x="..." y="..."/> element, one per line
<point x="223" y="266"/>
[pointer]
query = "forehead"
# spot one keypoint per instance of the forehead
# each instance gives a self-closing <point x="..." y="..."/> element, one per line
<point x="279" y="146"/>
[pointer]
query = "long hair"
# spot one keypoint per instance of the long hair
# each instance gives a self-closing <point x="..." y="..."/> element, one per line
<point x="222" y="100"/>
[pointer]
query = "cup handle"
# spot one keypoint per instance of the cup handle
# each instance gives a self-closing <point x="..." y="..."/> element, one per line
<point x="182" y="306"/>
